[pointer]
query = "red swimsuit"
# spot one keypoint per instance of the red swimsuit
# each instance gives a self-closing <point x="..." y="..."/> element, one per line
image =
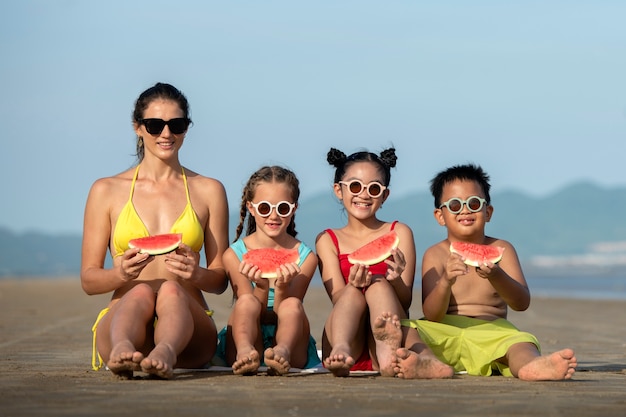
<point x="364" y="363"/>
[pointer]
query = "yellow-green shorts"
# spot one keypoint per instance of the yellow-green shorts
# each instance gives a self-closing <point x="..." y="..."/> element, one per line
<point x="96" y="359"/>
<point x="471" y="345"/>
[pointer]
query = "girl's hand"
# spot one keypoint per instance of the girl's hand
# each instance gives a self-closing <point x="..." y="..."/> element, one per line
<point x="133" y="263"/>
<point x="455" y="267"/>
<point x="253" y="273"/>
<point x="183" y="262"/>
<point x="287" y="272"/>
<point x="360" y="276"/>
<point x="396" y="266"/>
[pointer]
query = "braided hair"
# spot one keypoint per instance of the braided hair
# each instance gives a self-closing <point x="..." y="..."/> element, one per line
<point x="267" y="174"/>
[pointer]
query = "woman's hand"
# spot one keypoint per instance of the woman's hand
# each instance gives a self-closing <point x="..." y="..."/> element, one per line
<point x="133" y="263"/>
<point x="183" y="262"/>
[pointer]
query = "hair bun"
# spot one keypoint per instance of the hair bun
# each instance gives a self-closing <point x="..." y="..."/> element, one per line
<point x="388" y="157"/>
<point x="335" y="157"/>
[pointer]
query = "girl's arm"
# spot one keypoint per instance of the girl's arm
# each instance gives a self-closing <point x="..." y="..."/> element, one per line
<point x="329" y="267"/>
<point x="404" y="262"/>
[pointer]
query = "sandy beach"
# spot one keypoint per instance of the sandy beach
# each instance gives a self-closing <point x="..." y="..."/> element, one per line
<point x="45" y="353"/>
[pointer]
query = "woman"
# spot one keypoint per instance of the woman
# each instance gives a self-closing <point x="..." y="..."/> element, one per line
<point x="158" y="196"/>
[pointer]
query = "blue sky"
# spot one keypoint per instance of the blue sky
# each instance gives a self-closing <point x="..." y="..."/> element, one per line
<point x="533" y="91"/>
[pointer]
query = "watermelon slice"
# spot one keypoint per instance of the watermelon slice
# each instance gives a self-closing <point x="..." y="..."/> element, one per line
<point x="476" y="255"/>
<point x="375" y="251"/>
<point x="157" y="244"/>
<point x="268" y="260"/>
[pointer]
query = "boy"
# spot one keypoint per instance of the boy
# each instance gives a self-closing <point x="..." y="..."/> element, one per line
<point x="465" y="308"/>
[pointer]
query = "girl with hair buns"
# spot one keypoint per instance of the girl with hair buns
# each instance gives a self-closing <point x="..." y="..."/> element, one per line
<point x="363" y="330"/>
<point x="268" y="315"/>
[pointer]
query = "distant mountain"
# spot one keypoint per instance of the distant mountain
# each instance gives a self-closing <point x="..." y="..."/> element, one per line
<point x="568" y="222"/>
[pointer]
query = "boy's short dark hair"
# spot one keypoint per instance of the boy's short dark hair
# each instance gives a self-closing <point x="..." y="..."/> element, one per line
<point x="469" y="172"/>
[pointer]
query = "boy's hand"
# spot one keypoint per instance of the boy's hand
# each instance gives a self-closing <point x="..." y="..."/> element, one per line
<point x="487" y="270"/>
<point x="454" y="268"/>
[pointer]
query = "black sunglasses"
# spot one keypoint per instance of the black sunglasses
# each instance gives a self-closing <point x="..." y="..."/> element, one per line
<point x="156" y="126"/>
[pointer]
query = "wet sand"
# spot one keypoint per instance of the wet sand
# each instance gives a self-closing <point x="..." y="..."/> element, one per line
<point x="45" y="354"/>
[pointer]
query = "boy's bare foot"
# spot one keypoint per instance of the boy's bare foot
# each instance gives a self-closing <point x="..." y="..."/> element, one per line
<point x="410" y="365"/>
<point x="160" y="362"/>
<point x="338" y="362"/>
<point x="247" y="364"/>
<point x="277" y="360"/>
<point x="388" y="336"/>
<point x="124" y="359"/>
<point x="557" y="366"/>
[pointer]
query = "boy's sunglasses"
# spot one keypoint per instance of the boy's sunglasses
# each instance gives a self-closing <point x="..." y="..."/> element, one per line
<point x="156" y="126"/>
<point x="264" y="208"/>
<point x="455" y="205"/>
<point x="374" y="188"/>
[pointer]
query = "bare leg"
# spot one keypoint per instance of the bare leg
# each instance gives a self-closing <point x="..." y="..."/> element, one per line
<point x="173" y="332"/>
<point x="245" y="322"/>
<point x="388" y="336"/>
<point x="292" y="338"/>
<point x="122" y="332"/>
<point x="527" y="364"/>
<point x="344" y="332"/>
<point x="418" y="361"/>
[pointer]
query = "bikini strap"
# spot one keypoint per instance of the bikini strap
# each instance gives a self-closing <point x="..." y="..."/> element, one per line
<point x="132" y="185"/>
<point x="393" y="225"/>
<point x="333" y="237"/>
<point x="186" y="186"/>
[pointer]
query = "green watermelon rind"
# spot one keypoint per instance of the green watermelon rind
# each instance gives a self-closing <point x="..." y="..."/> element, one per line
<point x="468" y="252"/>
<point x="146" y="244"/>
<point x="273" y="258"/>
<point x="379" y="249"/>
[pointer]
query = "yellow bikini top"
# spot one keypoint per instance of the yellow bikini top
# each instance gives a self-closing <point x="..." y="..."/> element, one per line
<point x="130" y="226"/>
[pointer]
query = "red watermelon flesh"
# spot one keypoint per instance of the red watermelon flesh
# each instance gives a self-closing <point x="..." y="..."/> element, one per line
<point x="476" y="255"/>
<point x="375" y="251"/>
<point x="268" y="260"/>
<point x="157" y="244"/>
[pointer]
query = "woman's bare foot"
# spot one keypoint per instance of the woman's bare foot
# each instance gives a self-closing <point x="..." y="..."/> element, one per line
<point x="124" y="359"/>
<point x="160" y="362"/>
<point x="277" y="360"/>
<point x="388" y="336"/>
<point x="247" y="364"/>
<point x="557" y="366"/>
<point x="410" y="365"/>
<point x="339" y="362"/>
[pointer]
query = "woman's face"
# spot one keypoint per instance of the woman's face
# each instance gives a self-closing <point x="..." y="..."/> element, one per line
<point x="165" y="144"/>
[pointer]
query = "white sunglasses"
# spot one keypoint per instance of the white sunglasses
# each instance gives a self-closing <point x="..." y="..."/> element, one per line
<point x="264" y="208"/>
<point x="374" y="188"/>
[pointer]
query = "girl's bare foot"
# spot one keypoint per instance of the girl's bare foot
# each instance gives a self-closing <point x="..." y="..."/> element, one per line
<point x="247" y="364"/>
<point x="124" y="359"/>
<point x="160" y="362"/>
<point x="410" y="365"/>
<point x="339" y="363"/>
<point x="277" y="360"/>
<point x="557" y="366"/>
<point x="388" y="336"/>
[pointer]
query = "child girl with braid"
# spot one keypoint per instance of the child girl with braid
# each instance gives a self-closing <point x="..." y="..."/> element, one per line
<point x="363" y="330"/>
<point x="268" y="316"/>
